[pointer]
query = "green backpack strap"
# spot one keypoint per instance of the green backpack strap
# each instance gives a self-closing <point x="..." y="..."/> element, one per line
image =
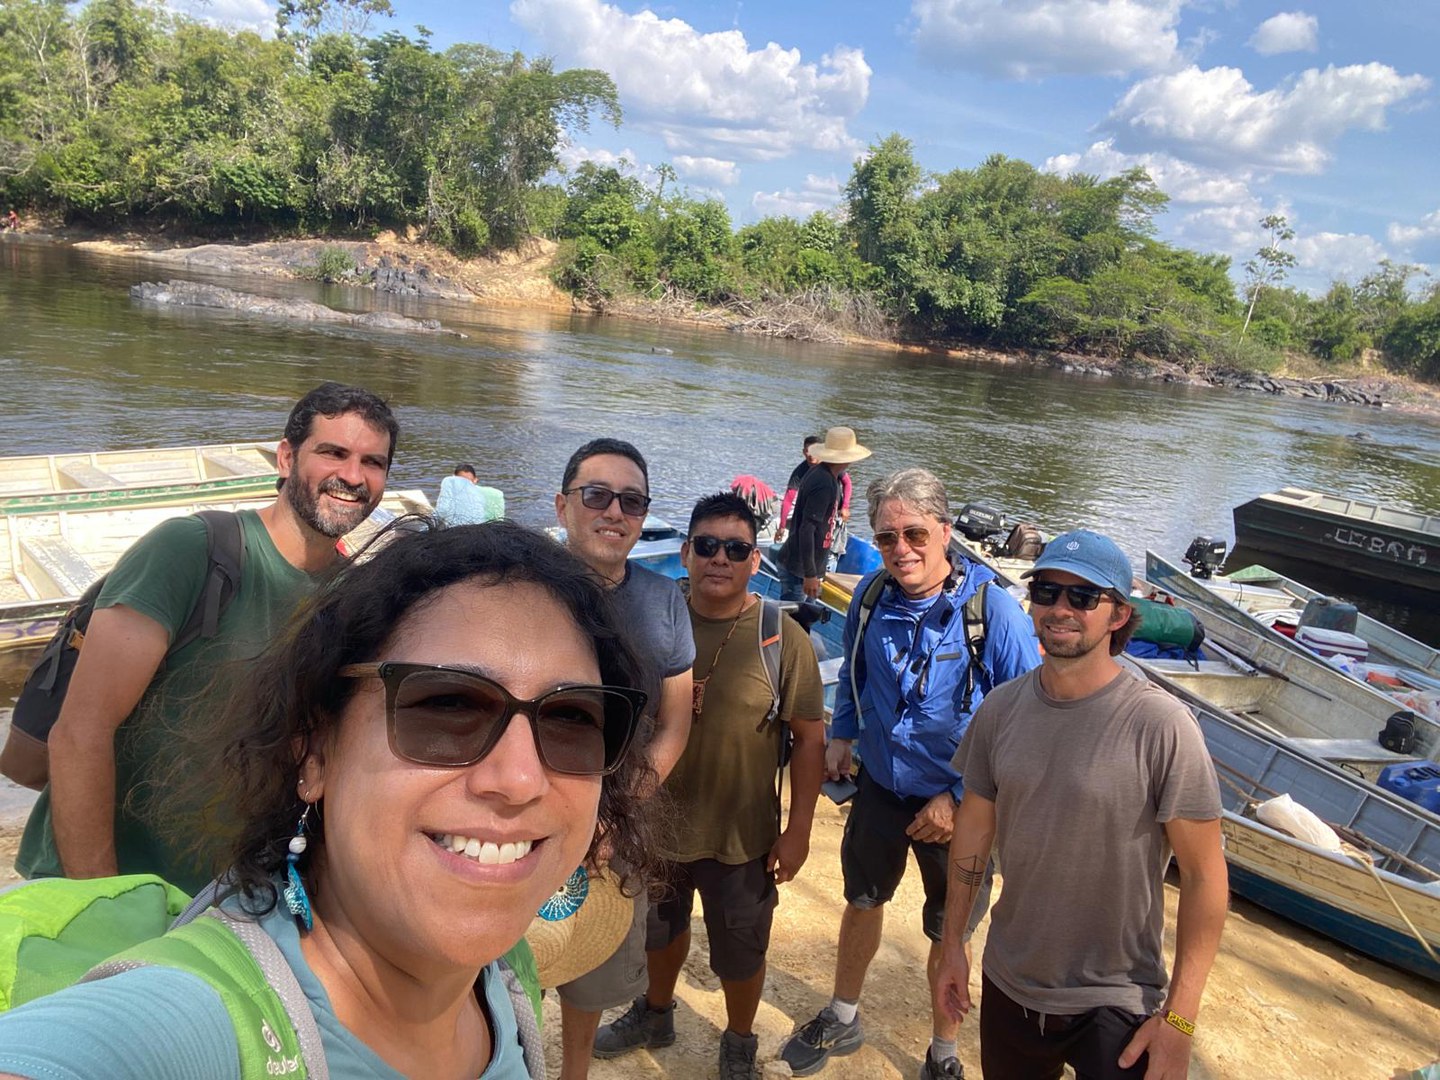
<point x="246" y="968"/>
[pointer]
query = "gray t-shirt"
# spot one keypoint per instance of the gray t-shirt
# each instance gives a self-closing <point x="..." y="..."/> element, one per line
<point x="1082" y="790"/>
<point x="654" y="614"/>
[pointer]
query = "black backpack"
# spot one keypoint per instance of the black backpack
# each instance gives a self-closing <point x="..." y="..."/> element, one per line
<point x="25" y="758"/>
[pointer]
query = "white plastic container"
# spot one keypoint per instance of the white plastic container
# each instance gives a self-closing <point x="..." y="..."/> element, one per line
<point x="1332" y="642"/>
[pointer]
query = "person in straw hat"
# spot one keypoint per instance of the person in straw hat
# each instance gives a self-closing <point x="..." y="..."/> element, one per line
<point x="803" y="558"/>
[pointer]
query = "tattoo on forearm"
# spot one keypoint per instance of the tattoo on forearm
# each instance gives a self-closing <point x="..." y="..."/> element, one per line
<point x="970" y="871"/>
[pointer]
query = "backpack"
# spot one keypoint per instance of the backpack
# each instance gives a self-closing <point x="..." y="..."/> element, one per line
<point x="25" y="758"/>
<point x="55" y="932"/>
<point x="772" y="623"/>
<point x="973" y="614"/>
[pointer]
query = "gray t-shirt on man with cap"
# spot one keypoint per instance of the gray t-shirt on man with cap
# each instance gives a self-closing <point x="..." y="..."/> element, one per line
<point x="1082" y="790"/>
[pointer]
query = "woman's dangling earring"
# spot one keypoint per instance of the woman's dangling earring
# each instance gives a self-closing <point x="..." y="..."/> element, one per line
<point x="566" y="900"/>
<point x="296" y="898"/>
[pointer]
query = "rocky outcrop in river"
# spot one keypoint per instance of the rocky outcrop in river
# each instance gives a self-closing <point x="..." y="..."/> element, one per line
<point x="195" y="294"/>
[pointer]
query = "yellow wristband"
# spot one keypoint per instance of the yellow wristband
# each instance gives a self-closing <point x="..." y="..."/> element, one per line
<point x="1178" y="1022"/>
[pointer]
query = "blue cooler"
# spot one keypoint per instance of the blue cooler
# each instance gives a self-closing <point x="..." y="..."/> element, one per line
<point x="860" y="558"/>
<point x="1418" y="781"/>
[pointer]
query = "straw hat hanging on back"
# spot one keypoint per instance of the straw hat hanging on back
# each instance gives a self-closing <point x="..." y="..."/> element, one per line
<point x="569" y="947"/>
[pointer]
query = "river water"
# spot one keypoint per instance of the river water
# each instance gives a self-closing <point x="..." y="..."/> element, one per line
<point x="82" y="366"/>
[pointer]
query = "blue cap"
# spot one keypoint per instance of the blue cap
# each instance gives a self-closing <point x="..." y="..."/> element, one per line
<point x="1088" y="555"/>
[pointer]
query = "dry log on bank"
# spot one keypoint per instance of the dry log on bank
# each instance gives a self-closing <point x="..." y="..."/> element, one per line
<point x="195" y="294"/>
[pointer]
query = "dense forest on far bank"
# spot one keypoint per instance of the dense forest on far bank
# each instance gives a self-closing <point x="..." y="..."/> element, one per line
<point x="118" y="114"/>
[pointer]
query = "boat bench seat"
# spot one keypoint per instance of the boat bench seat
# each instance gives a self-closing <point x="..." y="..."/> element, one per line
<point x="1358" y="751"/>
<point x="88" y="476"/>
<point x="234" y="463"/>
<point x="64" y="566"/>
<point x="830" y="670"/>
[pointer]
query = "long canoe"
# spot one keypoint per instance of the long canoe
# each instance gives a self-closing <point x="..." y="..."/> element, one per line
<point x="48" y="560"/>
<point x="112" y="479"/>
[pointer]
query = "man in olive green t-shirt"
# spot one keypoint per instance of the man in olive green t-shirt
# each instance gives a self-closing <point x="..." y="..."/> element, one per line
<point x="108" y="746"/>
<point x="728" y="842"/>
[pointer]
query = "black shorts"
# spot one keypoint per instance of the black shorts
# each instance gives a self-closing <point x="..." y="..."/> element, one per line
<point x="872" y="856"/>
<point x="739" y="905"/>
<point x="1021" y="1044"/>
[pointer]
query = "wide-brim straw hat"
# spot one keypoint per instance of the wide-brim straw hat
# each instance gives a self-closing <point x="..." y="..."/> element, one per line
<point x="840" y="447"/>
<point x="570" y="947"/>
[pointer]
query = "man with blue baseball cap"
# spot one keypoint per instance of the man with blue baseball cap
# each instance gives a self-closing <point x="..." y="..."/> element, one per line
<point x="1087" y="778"/>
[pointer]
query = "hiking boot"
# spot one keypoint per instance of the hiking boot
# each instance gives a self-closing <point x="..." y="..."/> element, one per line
<point x="737" y="1056"/>
<point x="948" y="1069"/>
<point x="640" y="1027"/>
<point x="812" y="1044"/>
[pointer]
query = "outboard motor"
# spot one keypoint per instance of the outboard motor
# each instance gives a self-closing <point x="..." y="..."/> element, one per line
<point x="1205" y="555"/>
<point x="980" y="523"/>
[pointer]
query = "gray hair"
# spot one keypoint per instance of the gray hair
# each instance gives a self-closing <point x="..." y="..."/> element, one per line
<point x="919" y="489"/>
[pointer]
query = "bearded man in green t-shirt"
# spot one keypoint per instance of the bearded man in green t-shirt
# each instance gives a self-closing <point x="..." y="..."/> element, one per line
<point x="728" y="843"/>
<point x="110" y="747"/>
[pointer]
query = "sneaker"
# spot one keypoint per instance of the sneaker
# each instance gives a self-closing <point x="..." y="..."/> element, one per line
<point x="640" y="1027"/>
<point x="949" y="1069"/>
<point x="812" y="1044"/>
<point x="737" y="1056"/>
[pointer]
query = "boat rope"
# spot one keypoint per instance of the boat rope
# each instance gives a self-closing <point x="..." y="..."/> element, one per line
<point x="1364" y="860"/>
<point x="1351" y="851"/>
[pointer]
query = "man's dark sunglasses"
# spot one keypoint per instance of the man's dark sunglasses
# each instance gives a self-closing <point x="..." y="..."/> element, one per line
<point x="1081" y="597"/>
<point x="707" y="546"/>
<point x="595" y="497"/>
<point x="451" y="717"/>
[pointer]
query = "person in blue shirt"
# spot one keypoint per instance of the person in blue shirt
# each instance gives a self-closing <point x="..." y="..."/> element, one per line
<point x="906" y="694"/>
<point x="464" y="501"/>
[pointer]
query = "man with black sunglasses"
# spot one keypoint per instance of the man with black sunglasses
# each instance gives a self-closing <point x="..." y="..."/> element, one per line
<point x="728" y="845"/>
<point x="1086" y="774"/>
<point x="925" y="638"/>
<point x="603" y="498"/>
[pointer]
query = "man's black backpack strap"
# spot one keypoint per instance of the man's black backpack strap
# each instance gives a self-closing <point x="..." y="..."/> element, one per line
<point x="38" y="706"/>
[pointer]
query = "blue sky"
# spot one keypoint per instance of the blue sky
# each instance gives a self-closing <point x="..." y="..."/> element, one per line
<point x="1323" y="111"/>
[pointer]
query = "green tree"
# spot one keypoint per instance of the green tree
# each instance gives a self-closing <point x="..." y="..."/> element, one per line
<point x="1271" y="264"/>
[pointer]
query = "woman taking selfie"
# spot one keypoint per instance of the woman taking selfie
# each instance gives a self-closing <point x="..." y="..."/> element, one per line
<point x="427" y="756"/>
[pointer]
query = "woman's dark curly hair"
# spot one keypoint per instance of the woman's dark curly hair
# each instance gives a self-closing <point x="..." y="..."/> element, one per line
<point x="241" y="764"/>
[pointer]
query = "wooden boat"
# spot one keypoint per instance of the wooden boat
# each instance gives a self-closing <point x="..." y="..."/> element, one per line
<point x="1339" y="896"/>
<point x="1396" y="547"/>
<point x="110" y="479"/>
<point x="48" y="560"/>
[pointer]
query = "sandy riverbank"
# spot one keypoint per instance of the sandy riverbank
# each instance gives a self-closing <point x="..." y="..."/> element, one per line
<point x="522" y="278"/>
<point x="1281" y="1002"/>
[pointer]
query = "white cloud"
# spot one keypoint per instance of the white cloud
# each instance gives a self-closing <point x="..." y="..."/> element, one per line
<point x="1183" y="181"/>
<point x="1324" y="257"/>
<point x="1420" y="241"/>
<point x="1030" y="39"/>
<point x="1290" y="31"/>
<point x="625" y="161"/>
<point x="256" y="15"/>
<point x="707" y="170"/>
<point x="1215" y="116"/>
<point x="817" y="193"/>
<point x="707" y="92"/>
